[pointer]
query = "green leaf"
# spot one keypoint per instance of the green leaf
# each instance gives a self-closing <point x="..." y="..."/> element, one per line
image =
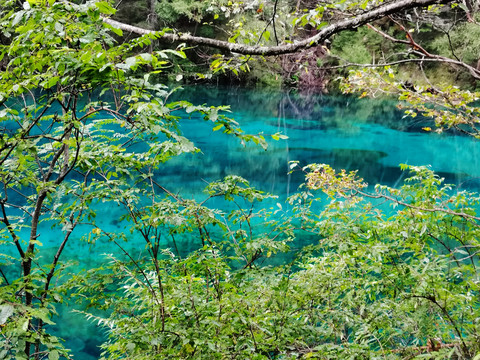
<point x="131" y="62"/>
<point x="51" y="82"/>
<point x="23" y="325"/>
<point x="115" y="30"/>
<point x="266" y="35"/>
<point x="58" y="27"/>
<point x="6" y="311"/>
<point x="105" y="8"/>
<point x="54" y="355"/>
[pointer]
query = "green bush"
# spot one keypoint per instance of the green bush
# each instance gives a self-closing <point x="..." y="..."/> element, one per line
<point x="380" y="284"/>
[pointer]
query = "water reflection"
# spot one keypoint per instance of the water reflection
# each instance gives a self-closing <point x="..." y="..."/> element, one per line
<point x="371" y="136"/>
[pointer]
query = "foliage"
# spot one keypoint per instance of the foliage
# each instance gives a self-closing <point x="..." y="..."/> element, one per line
<point x="248" y="22"/>
<point x="459" y="42"/>
<point x="171" y="11"/>
<point x="362" y="46"/>
<point x="380" y="283"/>
<point x="449" y="106"/>
<point x="81" y="123"/>
<point x="84" y="123"/>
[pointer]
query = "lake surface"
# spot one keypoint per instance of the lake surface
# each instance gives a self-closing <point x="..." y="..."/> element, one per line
<point x="370" y="136"/>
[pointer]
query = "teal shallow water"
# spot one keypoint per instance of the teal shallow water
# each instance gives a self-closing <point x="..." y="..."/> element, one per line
<point x="370" y="136"/>
<point x="365" y="135"/>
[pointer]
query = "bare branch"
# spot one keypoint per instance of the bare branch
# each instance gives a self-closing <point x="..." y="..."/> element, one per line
<point x="392" y="63"/>
<point x="10" y="229"/>
<point x="423" y="54"/>
<point x="323" y="34"/>
<point x="444" y="210"/>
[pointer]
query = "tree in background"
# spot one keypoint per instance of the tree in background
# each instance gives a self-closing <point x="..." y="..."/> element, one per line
<point x="312" y="41"/>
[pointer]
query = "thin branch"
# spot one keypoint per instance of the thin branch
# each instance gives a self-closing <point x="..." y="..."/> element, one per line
<point x="392" y="63"/>
<point x="423" y="54"/>
<point x="273" y="21"/>
<point x="420" y="208"/>
<point x="3" y="275"/>
<point x="14" y="236"/>
<point x="433" y="299"/>
<point x="411" y="41"/>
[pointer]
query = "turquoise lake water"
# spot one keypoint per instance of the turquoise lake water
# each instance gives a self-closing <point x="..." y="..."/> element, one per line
<point x="370" y="136"/>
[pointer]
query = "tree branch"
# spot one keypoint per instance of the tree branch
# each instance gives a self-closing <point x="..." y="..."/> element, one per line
<point x="323" y="34"/>
<point x="10" y="229"/>
<point x="423" y="54"/>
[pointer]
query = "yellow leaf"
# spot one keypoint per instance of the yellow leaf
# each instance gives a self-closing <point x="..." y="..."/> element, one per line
<point x="188" y="348"/>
